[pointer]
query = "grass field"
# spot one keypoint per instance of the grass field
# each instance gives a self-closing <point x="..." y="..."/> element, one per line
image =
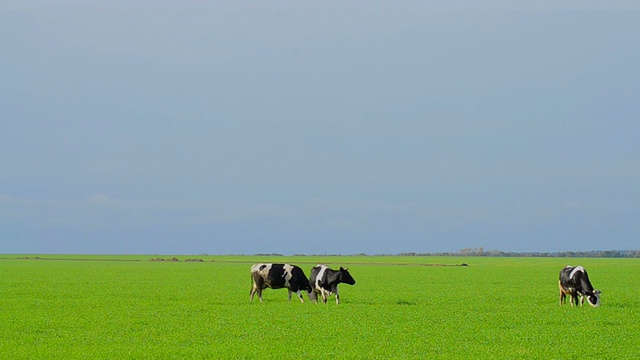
<point x="85" y="307"/>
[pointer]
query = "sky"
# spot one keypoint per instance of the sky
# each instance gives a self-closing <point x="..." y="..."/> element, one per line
<point x="318" y="127"/>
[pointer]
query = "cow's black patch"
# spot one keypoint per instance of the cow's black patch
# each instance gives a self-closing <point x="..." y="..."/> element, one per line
<point x="275" y="277"/>
<point x="299" y="280"/>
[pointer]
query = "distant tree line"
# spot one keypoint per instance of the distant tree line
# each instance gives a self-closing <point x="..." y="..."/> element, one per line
<point x="497" y="253"/>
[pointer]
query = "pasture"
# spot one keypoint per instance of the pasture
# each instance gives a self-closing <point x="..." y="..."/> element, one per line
<point x="94" y="307"/>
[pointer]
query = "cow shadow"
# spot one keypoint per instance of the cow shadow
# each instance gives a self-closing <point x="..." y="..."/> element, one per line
<point x="405" y="302"/>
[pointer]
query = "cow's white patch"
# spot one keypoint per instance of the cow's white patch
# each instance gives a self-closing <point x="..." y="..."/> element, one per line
<point x="287" y="274"/>
<point x="261" y="268"/>
<point x="575" y="270"/>
<point x="323" y="268"/>
<point x="318" y="288"/>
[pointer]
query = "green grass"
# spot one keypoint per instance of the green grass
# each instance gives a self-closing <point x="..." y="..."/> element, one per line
<point x="497" y="308"/>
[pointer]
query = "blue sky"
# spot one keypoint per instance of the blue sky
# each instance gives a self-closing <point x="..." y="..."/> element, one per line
<point x="318" y="127"/>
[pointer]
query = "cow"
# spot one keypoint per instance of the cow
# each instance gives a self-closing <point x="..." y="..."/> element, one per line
<point x="278" y="276"/>
<point x="574" y="282"/>
<point x="324" y="281"/>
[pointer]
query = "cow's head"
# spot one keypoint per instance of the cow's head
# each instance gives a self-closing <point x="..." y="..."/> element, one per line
<point x="312" y="296"/>
<point x="594" y="298"/>
<point x="345" y="277"/>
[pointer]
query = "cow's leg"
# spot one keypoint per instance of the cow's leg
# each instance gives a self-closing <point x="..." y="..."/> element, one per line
<point x="260" y="294"/>
<point x="563" y="296"/>
<point x="289" y="290"/>
<point x="295" y="288"/>
<point x="337" y="296"/>
<point x="252" y="293"/>
<point x="324" y="295"/>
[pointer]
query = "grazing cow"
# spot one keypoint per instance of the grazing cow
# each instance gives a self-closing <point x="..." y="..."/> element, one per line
<point x="278" y="276"/>
<point x="324" y="281"/>
<point x="574" y="282"/>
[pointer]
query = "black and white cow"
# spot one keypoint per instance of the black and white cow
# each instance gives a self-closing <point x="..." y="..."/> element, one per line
<point x="324" y="281"/>
<point x="574" y="282"/>
<point x="278" y="276"/>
